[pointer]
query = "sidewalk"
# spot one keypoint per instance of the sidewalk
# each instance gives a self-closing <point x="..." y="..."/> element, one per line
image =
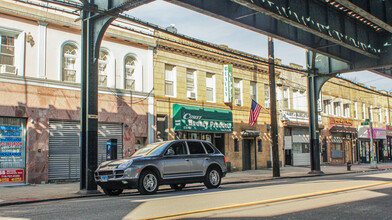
<point x="19" y="194"/>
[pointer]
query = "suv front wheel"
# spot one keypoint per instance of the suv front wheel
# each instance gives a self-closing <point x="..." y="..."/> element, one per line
<point x="148" y="183"/>
<point x="213" y="178"/>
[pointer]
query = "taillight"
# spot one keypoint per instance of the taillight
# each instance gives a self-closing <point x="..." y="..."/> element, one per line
<point x="224" y="159"/>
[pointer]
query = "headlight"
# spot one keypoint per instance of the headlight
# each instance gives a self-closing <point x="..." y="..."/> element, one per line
<point x="125" y="165"/>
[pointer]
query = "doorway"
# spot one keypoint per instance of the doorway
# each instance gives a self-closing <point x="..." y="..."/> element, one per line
<point x="288" y="157"/>
<point x="246" y="158"/>
<point x="219" y="141"/>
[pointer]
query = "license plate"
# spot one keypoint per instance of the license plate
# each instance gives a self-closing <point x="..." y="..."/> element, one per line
<point x="104" y="178"/>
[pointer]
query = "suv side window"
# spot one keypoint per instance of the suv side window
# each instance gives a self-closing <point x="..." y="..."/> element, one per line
<point x="195" y="147"/>
<point x="209" y="148"/>
<point x="178" y="148"/>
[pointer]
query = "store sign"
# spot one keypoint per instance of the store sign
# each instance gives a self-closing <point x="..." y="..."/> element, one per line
<point x="11" y="175"/>
<point x="378" y="133"/>
<point x="228" y="83"/>
<point x="341" y="121"/>
<point x="192" y="118"/>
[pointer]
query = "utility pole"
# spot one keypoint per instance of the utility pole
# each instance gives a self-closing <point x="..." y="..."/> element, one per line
<point x="274" y="122"/>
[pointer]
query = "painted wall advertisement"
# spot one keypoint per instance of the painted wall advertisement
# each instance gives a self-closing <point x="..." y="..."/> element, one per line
<point x="228" y="83"/>
<point x="12" y="154"/>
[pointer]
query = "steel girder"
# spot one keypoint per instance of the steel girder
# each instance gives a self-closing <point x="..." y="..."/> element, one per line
<point x="313" y="24"/>
<point x="97" y="15"/>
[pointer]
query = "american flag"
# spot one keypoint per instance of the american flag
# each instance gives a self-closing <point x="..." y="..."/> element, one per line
<point x="254" y="112"/>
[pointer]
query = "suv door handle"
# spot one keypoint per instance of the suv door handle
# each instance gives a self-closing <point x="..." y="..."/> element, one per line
<point x="186" y="159"/>
<point x="207" y="158"/>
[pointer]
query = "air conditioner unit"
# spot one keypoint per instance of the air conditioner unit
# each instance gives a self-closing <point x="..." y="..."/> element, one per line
<point x="7" y="69"/>
<point x="191" y="95"/>
<point x="237" y="102"/>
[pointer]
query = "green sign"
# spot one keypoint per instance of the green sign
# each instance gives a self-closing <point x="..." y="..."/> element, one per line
<point x="367" y="120"/>
<point x="192" y="118"/>
<point x="228" y="83"/>
<point x="364" y="123"/>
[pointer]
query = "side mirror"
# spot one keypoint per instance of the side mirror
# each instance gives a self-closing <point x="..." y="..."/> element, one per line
<point x="170" y="152"/>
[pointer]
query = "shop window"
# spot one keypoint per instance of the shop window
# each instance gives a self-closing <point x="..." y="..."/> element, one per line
<point x="236" y="145"/>
<point x="301" y="148"/>
<point x="170" y="80"/>
<point x="162" y="128"/>
<point x="260" y="145"/>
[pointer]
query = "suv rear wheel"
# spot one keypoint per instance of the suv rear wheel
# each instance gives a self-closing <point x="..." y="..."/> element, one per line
<point x="213" y="178"/>
<point x="112" y="192"/>
<point x="148" y="183"/>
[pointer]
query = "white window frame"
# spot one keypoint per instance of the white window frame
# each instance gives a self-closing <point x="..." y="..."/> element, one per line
<point x="133" y="72"/>
<point x="172" y="79"/>
<point x="253" y="90"/>
<point x="213" y="86"/>
<point x="379" y="114"/>
<point x="191" y="93"/>
<point x="371" y="113"/>
<point x="356" y="110"/>
<point x="363" y="111"/>
<point x="386" y="116"/>
<point x="346" y="110"/>
<point x="267" y="103"/>
<point x="77" y="63"/>
<point x="286" y="96"/>
<point x="338" y="109"/>
<point x="238" y="101"/>
<point x="19" y="51"/>
<point x="109" y="70"/>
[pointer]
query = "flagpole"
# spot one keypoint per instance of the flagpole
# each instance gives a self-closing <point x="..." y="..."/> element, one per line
<point x="274" y="122"/>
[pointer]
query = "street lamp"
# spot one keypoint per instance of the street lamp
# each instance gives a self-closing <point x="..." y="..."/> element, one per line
<point x="373" y="163"/>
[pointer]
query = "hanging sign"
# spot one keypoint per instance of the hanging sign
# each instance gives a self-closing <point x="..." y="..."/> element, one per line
<point x="228" y="83"/>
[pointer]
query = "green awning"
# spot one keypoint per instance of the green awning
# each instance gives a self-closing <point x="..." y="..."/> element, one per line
<point x="192" y="118"/>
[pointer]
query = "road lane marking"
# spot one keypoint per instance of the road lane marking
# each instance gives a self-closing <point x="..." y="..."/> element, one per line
<point x="182" y="214"/>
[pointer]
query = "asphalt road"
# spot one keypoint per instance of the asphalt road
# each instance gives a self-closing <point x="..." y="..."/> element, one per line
<point x="349" y="196"/>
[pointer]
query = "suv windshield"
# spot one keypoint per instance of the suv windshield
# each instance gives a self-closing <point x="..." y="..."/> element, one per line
<point x="150" y="150"/>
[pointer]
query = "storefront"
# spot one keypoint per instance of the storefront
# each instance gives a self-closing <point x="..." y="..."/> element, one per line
<point x="210" y="124"/>
<point x="12" y="150"/>
<point x="340" y="140"/>
<point x="380" y="144"/>
<point x="388" y="148"/>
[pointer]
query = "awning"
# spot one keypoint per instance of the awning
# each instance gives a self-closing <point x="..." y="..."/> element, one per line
<point x="250" y="133"/>
<point x="343" y="129"/>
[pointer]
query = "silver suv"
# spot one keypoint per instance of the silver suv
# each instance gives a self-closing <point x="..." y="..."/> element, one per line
<point x="173" y="163"/>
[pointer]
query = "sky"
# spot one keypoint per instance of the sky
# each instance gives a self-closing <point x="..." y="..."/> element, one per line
<point x="212" y="30"/>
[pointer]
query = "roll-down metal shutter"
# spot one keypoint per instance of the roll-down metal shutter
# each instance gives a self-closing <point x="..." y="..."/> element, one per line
<point x="64" y="150"/>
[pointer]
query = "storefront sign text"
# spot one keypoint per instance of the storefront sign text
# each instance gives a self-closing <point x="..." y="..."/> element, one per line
<point x="228" y="83"/>
<point x="341" y="121"/>
<point x="11" y="175"/>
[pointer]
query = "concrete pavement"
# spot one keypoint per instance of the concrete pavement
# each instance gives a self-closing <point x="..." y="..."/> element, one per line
<point x="28" y="193"/>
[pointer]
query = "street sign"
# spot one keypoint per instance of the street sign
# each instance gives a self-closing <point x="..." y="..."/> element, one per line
<point x="365" y="123"/>
<point x="367" y="120"/>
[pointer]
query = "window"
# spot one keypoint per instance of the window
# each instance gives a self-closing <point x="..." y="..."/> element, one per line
<point x="191" y="84"/>
<point x="327" y="107"/>
<point x="371" y="112"/>
<point x="195" y="147"/>
<point x="336" y="108"/>
<point x="299" y="100"/>
<point x="346" y="110"/>
<point x="259" y="145"/>
<point x="162" y="127"/>
<point x="379" y="114"/>
<point x="209" y="148"/>
<point x="236" y="145"/>
<point x="170" y="80"/>
<point x="286" y="98"/>
<point x="7" y="54"/>
<point x="130" y="68"/>
<point x="70" y="55"/>
<point x="386" y="116"/>
<point x="301" y="148"/>
<point x="355" y="110"/>
<point x="103" y="63"/>
<point x="238" y="92"/>
<point x="363" y="111"/>
<point x="253" y="91"/>
<point x="266" y="96"/>
<point x="178" y="148"/>
<point x="210" y="87"/>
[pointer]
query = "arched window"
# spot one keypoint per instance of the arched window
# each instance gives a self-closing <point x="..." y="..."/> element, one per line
<point x="103" y="64"/>
<point x="70" y="56"/>
<point x="132" y="73"/>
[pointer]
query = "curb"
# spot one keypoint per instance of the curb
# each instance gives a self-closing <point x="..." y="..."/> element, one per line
<point x="223" y="183"/>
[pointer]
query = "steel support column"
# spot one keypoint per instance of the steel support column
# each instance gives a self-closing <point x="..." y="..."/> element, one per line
<point x="93" y="31"/>
<point x="315" y="82"/>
